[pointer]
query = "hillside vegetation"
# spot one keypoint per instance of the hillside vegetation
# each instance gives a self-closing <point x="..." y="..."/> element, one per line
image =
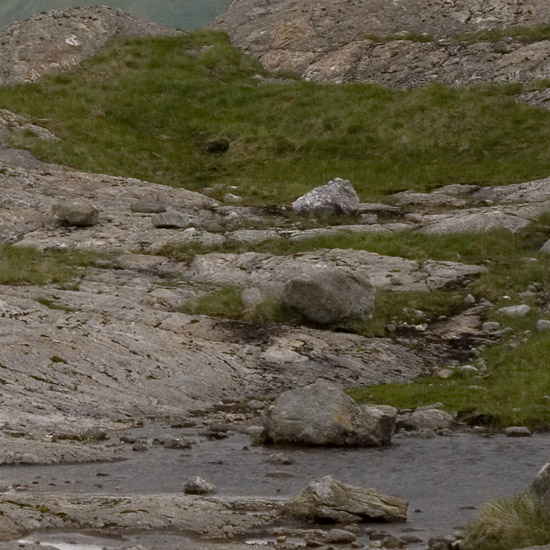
<point x="186" y="14"/>
<point x="192" y="111"/>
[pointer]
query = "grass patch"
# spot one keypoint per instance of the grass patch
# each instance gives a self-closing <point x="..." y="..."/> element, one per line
<point x="513" y="390"/>
<point x="509" y="524"/>
<point x="19" y="265"/>
<point x="226" y="303"/>
<point x="525" y="34"/>
<point x="151" y="108"/>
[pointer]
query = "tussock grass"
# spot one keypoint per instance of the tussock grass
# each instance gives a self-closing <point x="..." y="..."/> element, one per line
<point x="512" y="391"/>
<point x="148" y="108"/>
<point x="525" y="34"/>
<point x="509" y="524"/>
<point x="19" y="265"/>
<point x="226" y="303"/>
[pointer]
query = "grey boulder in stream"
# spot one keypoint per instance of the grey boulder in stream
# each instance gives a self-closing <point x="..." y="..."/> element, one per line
<point x="322" y="414"/>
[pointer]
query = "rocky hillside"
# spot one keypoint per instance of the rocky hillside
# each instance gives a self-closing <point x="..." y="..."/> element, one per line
<point x="185" y="14"/>
<point x="400" y="44"/>
<point x="59" y="40"/>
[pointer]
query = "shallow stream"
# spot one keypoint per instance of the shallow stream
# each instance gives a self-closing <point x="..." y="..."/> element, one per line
<point x="445" y="479"/>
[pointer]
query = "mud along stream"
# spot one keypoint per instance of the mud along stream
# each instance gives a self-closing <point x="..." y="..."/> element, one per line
<point x="445" y="480"/>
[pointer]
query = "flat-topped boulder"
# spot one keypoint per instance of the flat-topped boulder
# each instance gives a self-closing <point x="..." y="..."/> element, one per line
<point x="330" y="500"/>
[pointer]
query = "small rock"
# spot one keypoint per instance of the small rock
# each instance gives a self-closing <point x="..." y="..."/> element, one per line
<point x="490" y="326"/>
<point x="431" y="419"/>
<point x="337" y="197"/>
<point x="230" y="198"/>
<point x="177" y="443"/>
<point x="425" y="433"/>
<point x="515" y="311"/>
<point x="517" y="431"/>
<point x="467" y="368"/>
<point x="278" y="474"/>
<point x="469" y="299"/>
<point x="543" y="324"/>
<point x="148" y="206"/>
<point x="444" y="373"/>
<point x="76" y="214"/>
<point x="141" y="446"/>
<point x="281" y="458"/>
<point x="198" y="486"/>
<point x="440" y="543"/>
<point x="501" y="47"/>
<point x="340" y="536"/>
<point x="393" y="542"/>
<point x="171" y="220"/>
<point x="255" y="405"/>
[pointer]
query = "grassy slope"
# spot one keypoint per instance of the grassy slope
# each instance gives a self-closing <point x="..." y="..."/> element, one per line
<point x="152" y="108"/>
<point x="148" y="108"/>
<point x="186" y="14"/>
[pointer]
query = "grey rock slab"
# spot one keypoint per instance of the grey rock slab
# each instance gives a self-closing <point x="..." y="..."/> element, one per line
<point x="104" y="353"/>
<point x="336" y="198"/>
<point x="171" y="219"/>
<point x="328" y="42"/>
<point x="327" y="296"/>
<point x="270" y="273"/>
<point x="350" y="229"/>
<point x="526" y="192"/>
<point x="25" y="192"/>
<point x="208" y="517"/>
<point x="322" y="414"/>
<point x="329" y="499"/>
<point x="472" y="221"/>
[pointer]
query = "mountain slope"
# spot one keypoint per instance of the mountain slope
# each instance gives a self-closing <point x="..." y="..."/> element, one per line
<point x="186" y="14"/>
<point x="397" y="43"/>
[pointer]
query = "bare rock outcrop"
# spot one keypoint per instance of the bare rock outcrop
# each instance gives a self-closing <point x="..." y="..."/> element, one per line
<point x="61" y="39"/>
<point x="346" y="41"/>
